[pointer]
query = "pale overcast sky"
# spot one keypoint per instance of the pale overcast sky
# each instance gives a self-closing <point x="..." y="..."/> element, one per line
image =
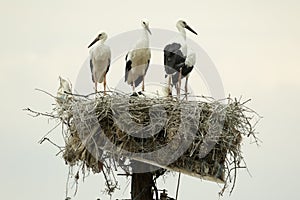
<point x="254" y="45"/>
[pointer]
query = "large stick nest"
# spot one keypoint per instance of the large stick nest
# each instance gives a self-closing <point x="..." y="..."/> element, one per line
<point x="97" y="133"/>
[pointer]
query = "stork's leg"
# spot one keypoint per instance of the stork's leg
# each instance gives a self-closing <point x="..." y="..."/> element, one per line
<point x="133" y="87"/>
<point x="96" y="87"/>
<point x="179" y="84"/>
<point x="176" y="88"/>
<point x="143" y="84"/>
<point x="95" y="82"/>
<point x="186" y="87"/>
<point x="104" y="84"/>
<point x="169" y="85"/>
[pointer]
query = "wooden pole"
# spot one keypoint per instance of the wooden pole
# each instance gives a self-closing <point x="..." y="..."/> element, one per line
<point x="141" y="185"/>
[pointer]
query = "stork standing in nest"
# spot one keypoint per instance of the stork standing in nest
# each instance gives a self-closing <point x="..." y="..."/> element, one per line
<point x="63" y="92"/>
<point x="138" y="59"/>
<point x="63" y="98"/>
<point x="185" y="71"/>
<point x="175" y="55"/>
<point x="100" y="60"/>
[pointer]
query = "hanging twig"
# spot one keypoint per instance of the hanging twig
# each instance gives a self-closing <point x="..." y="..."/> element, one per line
<point x="178" y="183"/>
<point x="60" y="148"/>
<point x="40" y="141"/>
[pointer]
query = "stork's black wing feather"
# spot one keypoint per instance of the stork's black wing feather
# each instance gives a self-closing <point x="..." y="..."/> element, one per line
<point x="127" y="68"/>
<point x="91" y="67"/>
<point x="185" y="71"/>
<point x="108" y="66"/>
<point x="172" y="57"/>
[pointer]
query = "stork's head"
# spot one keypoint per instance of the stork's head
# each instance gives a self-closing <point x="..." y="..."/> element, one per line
<point x="101" y="37"/>
<point x="64" y="85"/>
<point x="145" y="25"/>
<point x="182" y="24"/>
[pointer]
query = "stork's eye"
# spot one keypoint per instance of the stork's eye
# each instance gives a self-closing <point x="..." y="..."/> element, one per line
<point x="144" y="23"/>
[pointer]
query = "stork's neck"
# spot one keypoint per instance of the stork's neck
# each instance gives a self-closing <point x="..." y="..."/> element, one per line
<point x="182" y="31"/>
<point x="143" y="42"/>
<point x="102" y="41"/>
<point x="145" y="35"/>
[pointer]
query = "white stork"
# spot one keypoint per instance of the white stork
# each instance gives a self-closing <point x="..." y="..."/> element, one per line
<point x="63" y="97"/>
<point x="185" y="71"/>
<point x="175" y="55"/>
<point x="100" y="60"/>
<point x="137" y="59"/>
<point x="64" y="91"/>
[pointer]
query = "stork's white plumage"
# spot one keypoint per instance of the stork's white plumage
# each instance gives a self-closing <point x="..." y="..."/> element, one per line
<point x="63" y="92"/>
<point x="175" y="55"/>
<point x="138" y="59"/>
<point x="63" y="97"/>
<point x="100" y="56"/>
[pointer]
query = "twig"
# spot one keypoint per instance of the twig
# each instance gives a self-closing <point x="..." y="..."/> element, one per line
<point x="40" y="90"/>
<point x="67" y="182"/>
<point x="60" y="148"/>
<point x="87" y="95"/>
<point x="40" y="113"/>
<point x="40" y="141"/>
<point x="178" y="183"/>
<point x="110" y="190"/>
